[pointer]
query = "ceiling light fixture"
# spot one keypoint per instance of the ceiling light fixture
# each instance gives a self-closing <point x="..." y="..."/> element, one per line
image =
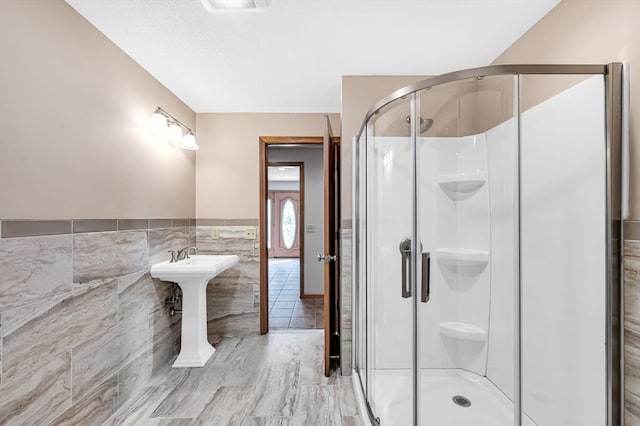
<point x="226" y="6"/>
<point x="163" y="123"/>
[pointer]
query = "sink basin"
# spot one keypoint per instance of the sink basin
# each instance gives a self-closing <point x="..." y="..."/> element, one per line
<point x="193" y="275"/>
<point x="200" y="266"/>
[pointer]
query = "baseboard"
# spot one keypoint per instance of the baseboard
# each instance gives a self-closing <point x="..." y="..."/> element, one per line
<point x="311" y="296"/>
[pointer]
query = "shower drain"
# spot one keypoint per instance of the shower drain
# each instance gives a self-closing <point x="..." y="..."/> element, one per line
<point x="461" y="401"/>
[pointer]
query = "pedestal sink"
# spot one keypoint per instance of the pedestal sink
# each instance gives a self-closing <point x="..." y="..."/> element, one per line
<point x="193" y="275"/>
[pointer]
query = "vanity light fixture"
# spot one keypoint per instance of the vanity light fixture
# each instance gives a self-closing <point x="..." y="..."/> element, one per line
<point x="227" y="6"/>
<point x="165" y="124"/>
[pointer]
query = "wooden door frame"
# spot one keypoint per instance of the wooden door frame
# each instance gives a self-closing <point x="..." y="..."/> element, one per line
<point x="264" y="142"/>
<point x="301" y="220"/>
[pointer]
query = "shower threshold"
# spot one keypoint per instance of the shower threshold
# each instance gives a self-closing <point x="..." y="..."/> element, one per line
<point x="443" y="399"/>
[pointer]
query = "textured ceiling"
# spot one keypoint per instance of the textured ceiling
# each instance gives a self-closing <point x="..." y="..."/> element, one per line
<point x="291" y="57"/>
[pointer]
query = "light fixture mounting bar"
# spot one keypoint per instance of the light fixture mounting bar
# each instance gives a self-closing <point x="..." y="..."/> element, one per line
<point x="165" y="113"/>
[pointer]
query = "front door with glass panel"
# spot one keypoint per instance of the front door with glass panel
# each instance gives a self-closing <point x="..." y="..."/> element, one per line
<point x="285" y="225"/>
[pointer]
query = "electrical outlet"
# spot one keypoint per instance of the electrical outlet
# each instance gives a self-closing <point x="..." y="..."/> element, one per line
<point x="310" y="228"/>
<point x="215" y="233"/>
<point x="250" y="234"/>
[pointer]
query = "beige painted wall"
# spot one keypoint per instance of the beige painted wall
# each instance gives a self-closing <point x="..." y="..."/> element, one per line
<point x="73" y="124"/>
<point x="588" y="31"/>
<point x="227" y="164"/>
<point x="359" y="94"/>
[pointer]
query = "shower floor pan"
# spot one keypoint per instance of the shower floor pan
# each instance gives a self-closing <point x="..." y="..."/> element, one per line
<point x="489" y="406"/>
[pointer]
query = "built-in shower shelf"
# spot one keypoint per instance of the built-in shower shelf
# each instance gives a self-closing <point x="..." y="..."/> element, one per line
<point x="461" y="186"/>
<point x="462" y="257"/>
<point x="462" y="331"/>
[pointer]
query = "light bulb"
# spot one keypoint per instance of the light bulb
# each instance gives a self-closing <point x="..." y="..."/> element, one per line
<point x="174" y="134"/>
<point x="189" y="142"/>
<point x="158" y="122"/>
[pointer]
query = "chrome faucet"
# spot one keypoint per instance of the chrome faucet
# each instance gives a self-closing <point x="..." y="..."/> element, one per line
<point x="183" y="252"/>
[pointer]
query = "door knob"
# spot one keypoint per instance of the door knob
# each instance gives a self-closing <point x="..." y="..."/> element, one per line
<point x="326" y="258"/>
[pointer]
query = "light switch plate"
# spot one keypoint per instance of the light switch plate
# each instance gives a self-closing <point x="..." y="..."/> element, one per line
<point x="310" y="228"/>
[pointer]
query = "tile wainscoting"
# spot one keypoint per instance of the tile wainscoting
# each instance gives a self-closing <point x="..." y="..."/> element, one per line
<point x="632" y="323"/>
<point x="346" y="341"/>
<point x="83" y="326"/>
<point x="233" y="297"/>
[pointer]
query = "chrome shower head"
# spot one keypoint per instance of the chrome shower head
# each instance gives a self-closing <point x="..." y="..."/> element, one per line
<point x="425" y="123"/>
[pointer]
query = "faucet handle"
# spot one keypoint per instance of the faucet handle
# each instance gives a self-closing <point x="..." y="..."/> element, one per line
<point x="173" y="256"/>
<point x="195" y="250"/>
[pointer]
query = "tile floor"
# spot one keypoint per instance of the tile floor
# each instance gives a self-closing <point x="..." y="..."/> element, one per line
<point x="286" y="309"/>
<point x="275" y="379"/>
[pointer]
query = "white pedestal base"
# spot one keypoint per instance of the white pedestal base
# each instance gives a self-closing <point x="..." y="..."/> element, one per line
<point x="195" y="349"/>
<point x="197" y="361"/>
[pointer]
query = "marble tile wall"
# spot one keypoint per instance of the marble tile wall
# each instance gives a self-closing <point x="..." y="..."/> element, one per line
<point x="632" y="323"/>
<point x="83" y="326"/>
<point x="346" y="342"/>
<point x="233" y="298"/>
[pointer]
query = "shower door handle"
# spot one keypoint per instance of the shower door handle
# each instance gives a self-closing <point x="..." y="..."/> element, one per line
<point x="426" y="267"/>
<point x="405" y="253"/>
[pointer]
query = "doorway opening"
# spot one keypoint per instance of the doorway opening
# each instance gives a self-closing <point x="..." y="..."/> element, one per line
<point x="325" y="255"/>
<point x="285" y="298"/>
<point x="290" y="305"/>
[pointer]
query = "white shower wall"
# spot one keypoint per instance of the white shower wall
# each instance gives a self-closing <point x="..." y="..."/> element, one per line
<point x="563" y="256"/>
<point x="453" y="223"/>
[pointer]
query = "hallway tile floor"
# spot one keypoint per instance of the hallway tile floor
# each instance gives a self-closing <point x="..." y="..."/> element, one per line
<point x="286" y="309"/>
<point x="275" y="379"/>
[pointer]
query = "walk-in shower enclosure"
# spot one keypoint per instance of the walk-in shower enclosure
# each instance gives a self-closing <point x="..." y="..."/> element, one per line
<point x="487" y="249"/>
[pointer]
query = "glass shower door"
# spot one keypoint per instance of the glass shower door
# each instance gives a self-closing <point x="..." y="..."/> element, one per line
<point x="467" y="141"/>
<point x="390" y="305"/>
